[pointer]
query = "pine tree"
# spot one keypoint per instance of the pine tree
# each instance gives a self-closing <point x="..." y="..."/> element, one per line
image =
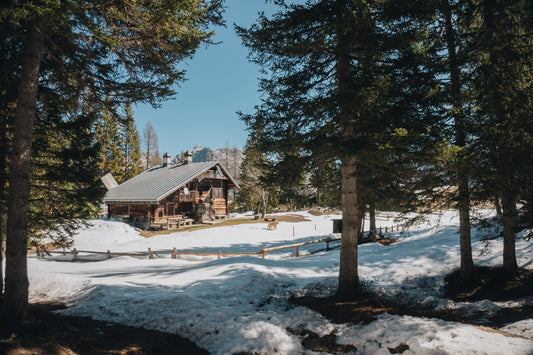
<point x="108" y="135"/>
<point x="254" y="193"/>
<point x="65" y="187"/>
<point x="131" y="57"/>
<point x="453" y="40"/>
<point x="15" y="300"/>
<point x="501" y="42"/>
<point x="131" y="147"/>
<point x="8" y="95"/>
<point x="347" y="76"/>
<point x="325" y="178"/>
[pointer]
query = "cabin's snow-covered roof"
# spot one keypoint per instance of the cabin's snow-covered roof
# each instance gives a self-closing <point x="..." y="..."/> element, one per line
<point x="154" y="184"/>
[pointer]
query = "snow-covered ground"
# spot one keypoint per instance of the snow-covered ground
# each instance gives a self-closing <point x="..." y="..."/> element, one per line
<point x="240" y="304"/>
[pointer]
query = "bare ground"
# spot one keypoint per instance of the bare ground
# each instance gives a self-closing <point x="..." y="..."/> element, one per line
<point x="492" y="284"/>
<point x="49" y="334"/>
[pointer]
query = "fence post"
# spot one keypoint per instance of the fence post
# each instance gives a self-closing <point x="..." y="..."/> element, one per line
<point x="293" y="232"/>
<point x="327" y="245"/>
<point x="75" y="253"/>
<point x="174" y="253"/>
<point x="263" y="252"/>
<point x="386" y="230"/>
<point x="296" y="254"/>
<point x="108" y="254"/>
<point x="219" y="254"/>
<point x="150" y="254"/>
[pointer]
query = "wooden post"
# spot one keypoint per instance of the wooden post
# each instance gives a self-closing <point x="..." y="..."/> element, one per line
<point x="75" y="253"/>
<point x="315" y="226"/>
<point x="219" y="254"/>
<point x="263" y="253"/>
<point x="174" y="253"/>
<point x="150" y="254"/>
<point x="293" y="232"/>
<point x="108" y="254"/>
<point x="327" y="245"/>
<point x="380" y="233"/>
<point x="386" y="230"/>
<point x="296" y="254"/>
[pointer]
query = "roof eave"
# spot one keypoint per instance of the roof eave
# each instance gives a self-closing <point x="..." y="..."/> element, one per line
<point x="131" y="202"/>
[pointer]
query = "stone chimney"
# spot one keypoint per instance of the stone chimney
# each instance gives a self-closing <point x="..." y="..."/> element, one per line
<point x="166" y="159"/>
<point x="188" y="157"/>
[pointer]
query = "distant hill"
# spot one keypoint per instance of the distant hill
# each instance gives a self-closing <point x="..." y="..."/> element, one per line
<point x="230" y="158"/>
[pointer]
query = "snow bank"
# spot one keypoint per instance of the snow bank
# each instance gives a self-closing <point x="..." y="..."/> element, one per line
<point x="103" y="234"/>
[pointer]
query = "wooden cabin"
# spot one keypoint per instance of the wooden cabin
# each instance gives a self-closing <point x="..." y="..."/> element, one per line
<point x="171" y="195"/>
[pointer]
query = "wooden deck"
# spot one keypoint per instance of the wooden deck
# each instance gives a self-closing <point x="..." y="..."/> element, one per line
<point x="170" y="223"/>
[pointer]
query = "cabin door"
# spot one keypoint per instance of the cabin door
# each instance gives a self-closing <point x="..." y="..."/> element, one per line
<point x="171" y="209"/>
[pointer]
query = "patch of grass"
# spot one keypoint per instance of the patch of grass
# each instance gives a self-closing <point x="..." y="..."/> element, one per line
<point x="315" y="212"/>
<point x="293" y="218"/>
<point x="195" y="227"/>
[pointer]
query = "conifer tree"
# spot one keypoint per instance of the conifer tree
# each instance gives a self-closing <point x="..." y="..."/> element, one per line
<point x="131" y="146"/>
<point x="452" y="37"/>
<point x="500" y="40"/>
<point x="111" y="157"/>
<point x="325" y="178"/>
<point x="347" y="76"/>
<point x="254" y="193"/>
<point x="126" y="51"/>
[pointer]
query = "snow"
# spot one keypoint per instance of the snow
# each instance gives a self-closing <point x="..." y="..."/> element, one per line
<point x="240" y="303"/>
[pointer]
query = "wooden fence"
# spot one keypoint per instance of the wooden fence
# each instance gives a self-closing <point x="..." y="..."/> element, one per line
<point x="328" y="240"/>
<point x="174" y="253"/>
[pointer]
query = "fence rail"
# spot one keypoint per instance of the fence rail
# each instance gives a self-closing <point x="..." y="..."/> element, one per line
<point x="328" y="240"/>
<point x="174" y="253"/>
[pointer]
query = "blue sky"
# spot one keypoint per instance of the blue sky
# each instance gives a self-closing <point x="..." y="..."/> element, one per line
<point x="220" y="82"/>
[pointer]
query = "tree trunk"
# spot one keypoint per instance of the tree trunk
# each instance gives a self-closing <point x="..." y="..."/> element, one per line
<point x="467" y="264"/>
<point x="498" y="206"/>
<point x="506" y="170"/>
<point x="3" y="162"/>
<point x="509" y="223"/>
<point x="351" y="223"/>
<point x="1" y="259"/>
<point x="372" y="217"/>
<point x="15" y="303"/>
<point x="264" y="201"/>
<point x="351" y="213"/>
